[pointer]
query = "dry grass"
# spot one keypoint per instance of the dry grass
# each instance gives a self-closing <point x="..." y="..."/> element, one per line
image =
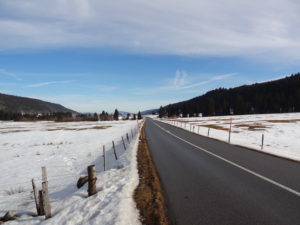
<point x="252" y="127"/>
<point x="14" y="191"/>
<point x="284" y="121"/>
<point x="214" y="126"/>
<point x="13" y="131"/>
<point x="148" y="195"/>
<point x="80" y="129"/>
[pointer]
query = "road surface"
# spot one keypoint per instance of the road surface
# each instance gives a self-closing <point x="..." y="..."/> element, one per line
<point x="211" y="182"/>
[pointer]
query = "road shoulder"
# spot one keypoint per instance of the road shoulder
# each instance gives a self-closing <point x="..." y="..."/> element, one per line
<point x="149" y="194"/>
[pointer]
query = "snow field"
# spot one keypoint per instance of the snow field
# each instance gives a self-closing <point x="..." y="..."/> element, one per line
<point x="66" y="149"/>
<point x="281" y="131"/>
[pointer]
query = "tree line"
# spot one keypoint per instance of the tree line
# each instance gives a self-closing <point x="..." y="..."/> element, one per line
<point x="66" y="116"/>
<point x="279" y="96"/>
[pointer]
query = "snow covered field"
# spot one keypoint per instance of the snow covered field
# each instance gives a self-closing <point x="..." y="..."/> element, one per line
<point x="66" y="149"/>
<point x="281" y="131"/>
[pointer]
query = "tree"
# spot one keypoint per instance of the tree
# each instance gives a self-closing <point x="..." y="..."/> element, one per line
<point x="103" y="116"/>
<point x="127" y="116"/>
<point x="134" y="116"/>
<point x="95" y="117"/>
<point x="139" y="115"/>
<point x="116" y="115"/>
<point x="161" y="112"/>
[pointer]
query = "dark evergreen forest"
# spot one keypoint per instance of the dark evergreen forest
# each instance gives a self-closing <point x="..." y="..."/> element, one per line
<point x="277" y="96"/>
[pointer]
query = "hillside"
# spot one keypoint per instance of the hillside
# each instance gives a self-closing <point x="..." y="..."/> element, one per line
<point x="277" y="96"/>
<point x="150" y="111"/>
<point x="10" y="103"/>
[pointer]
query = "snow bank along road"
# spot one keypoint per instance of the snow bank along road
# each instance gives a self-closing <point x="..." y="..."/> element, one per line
<point x="210" y="182"/>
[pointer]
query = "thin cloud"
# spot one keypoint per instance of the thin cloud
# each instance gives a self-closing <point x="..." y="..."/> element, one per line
<point x="181" y="82"/>
<point x="48" y="83"/>
<point x="6" y="73"/>
<point x="181" y="78"/>
<point x="214" y="78"/>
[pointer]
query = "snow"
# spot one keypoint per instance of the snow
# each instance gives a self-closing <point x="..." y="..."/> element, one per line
<point x="66" y="149"/>
<point x="281" y="131"/>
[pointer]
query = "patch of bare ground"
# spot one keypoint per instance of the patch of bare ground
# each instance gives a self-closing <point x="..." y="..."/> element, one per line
<point x="6" y="128"/>
<point x="214" y="126"/>
<point x="79" y="129"/>
<point x="284" y="121"/>
<point x="13" y="131"/>
<point x="252" y="127"/>
<point x="148" y="195"/>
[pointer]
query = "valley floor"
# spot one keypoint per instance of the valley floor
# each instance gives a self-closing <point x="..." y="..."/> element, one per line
<point x="66" y="149"/>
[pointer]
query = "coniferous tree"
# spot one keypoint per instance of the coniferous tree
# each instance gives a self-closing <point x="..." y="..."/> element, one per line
<point x="139" y="115"/>
<point x="103" y="116"/>
<point x="161" y="112"/>
<point x="116" y="115"/>
<point x="95" y="117"/>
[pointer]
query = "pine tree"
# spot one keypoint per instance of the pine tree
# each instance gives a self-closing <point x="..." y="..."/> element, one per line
<point x="95" y="117"/>
<point x="161" y="112"/>
<point x="116" y="115"/>
<point x="139" y="115"/>
<point x="103" y="116"/>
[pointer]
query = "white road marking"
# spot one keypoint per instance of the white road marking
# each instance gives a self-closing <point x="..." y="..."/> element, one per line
<point x="234" y="164"/>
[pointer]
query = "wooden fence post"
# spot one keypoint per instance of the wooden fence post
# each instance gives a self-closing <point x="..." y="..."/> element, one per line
<point x="35" y="198"/>
<point x="44" y="174"/>
<point x="123" y="143"/>
<point x="262" y="141"/>
<point x="92" y="180"/>
<point x="127" y="138"/>
<point x="104" y="158"/>
<point x="45" y="194"/>
<point x="131" y="133"/>
<point x="113" y="143"/>
<point x="46" y="201"/>
<point x="41" y="203"/>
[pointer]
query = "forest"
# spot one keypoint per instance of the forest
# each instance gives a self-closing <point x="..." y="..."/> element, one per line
<point x="277" y="96"/>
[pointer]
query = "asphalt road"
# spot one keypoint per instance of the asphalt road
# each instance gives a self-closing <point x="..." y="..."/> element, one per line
<point x="210" y="182"/>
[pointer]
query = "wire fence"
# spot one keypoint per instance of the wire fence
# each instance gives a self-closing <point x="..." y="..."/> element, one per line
<point x="227" y="133"/>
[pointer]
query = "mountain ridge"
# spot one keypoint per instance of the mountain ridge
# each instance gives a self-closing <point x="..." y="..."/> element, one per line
<point x="18" y="104"/>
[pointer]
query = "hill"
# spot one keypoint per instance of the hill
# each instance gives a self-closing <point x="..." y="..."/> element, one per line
<point x="15" y="104"/>
<point x="277" y="96"/>
<point x="150" y="111"/>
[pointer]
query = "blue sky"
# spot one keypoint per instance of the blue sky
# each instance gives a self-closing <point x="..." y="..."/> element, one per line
<point x="136" y="55"/>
